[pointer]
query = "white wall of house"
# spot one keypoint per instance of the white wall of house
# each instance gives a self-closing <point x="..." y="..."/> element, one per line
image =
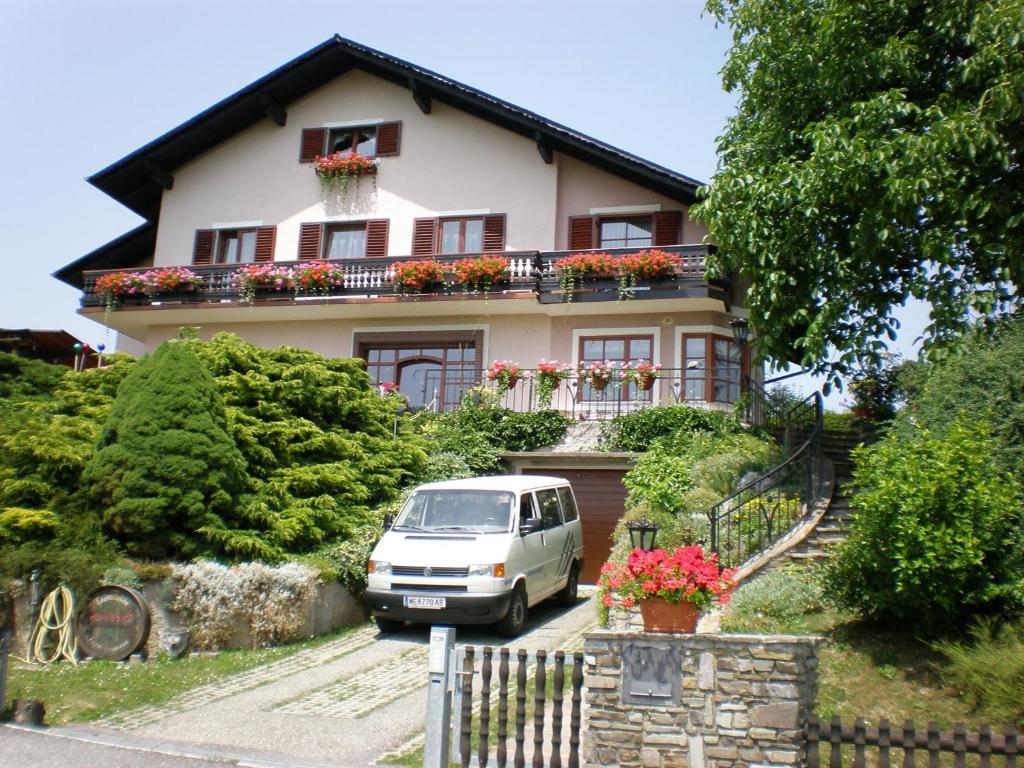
<point x="449" y="162"/>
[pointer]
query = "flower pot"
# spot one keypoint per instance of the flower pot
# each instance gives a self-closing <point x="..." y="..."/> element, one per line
<point x="663" y="616"/>
<point x="599" y="384"/>
<point x="647" y="384"/>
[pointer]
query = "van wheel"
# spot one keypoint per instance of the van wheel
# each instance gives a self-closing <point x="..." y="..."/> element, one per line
<point x="388" y="626"/>
<point x="567" y="595"/>
<point x="514" y="621"/>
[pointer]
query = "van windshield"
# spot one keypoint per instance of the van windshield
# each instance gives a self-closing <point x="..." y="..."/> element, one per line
<point x="468" y="511"/>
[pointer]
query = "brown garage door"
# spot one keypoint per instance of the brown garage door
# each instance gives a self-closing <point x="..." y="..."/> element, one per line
<point x="601" y="498"/>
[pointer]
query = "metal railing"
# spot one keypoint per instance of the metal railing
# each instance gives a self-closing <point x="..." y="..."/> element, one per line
<point x="766" y="508"/>
<point x="374" y="278"/>
<point x="573" y="397"/>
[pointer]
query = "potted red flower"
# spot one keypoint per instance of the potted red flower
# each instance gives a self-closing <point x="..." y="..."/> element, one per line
<point x="251" y="278"/>
<point x="114" y="285"/>
<point x="549" y="375"/>
<point x="170" y="280"/>
<point x="670" y="588"/>
<point x="506" y="373"/>
<point x="417" y="275"/>
<point x="481" y="273"/>
<point x="600" y="374"/>
<point x="338" y="169"/>
<point x="642" y="374"/>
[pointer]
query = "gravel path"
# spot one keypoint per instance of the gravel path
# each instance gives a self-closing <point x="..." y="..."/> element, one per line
<point x="345" y="703"/>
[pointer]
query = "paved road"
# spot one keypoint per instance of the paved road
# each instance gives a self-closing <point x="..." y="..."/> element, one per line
<point x="346" y="703"/>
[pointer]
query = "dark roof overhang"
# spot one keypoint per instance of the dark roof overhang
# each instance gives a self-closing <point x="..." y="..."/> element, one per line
<point x="128" y="250"/>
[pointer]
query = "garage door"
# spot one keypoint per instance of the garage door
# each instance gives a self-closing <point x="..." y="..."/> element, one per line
<point x="601" y="498"/>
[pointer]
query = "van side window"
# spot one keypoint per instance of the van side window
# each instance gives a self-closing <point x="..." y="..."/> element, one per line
<point x="569" y="512"/>
<point x="549" y="511"/>
<point x="526" y="508"/>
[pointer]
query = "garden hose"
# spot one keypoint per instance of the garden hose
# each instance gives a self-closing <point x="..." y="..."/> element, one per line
<point x="57" y="614"/>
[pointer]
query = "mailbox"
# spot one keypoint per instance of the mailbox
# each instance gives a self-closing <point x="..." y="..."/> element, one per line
<point x="650" y="675"/>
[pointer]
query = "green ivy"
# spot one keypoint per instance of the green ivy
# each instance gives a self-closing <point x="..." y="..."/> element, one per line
<point x="636" y="431"/>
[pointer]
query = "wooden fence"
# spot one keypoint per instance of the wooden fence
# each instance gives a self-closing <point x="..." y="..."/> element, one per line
<point x="882" y="745"/>
<point x="526" y="681"/>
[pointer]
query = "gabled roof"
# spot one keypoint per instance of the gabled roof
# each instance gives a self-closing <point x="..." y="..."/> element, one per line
<point x="136" y="180"/>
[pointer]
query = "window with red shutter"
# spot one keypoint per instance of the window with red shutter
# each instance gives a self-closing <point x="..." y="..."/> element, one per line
<point x="344" y="240"/>
<point x="381" y="140"/>
<point x="424" y="237"/>
<point x="202" y="250"/>
<point x="581" y="233"/>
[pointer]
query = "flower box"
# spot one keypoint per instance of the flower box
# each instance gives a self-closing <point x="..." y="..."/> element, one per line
<point x="340" y="168"/>
<point x="481" y="273"/>
<point x="417" y="276"/>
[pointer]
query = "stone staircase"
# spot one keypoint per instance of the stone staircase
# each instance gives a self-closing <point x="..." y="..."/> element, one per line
<point x="832" y="527"/>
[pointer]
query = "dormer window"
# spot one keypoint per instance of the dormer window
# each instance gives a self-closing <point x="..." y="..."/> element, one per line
<point x="363" y="140"/>
<point x="375" y="140"/>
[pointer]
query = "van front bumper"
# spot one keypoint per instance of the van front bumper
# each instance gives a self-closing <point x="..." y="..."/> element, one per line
<point x="460" y="608"/>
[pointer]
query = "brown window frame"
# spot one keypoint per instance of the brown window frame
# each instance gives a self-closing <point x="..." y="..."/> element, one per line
<point x="222" y="241"/>
<point x="363" y="342"/>
<point x="625" y="392"/>
<point x="462" y="234"/>
<point x="351" y="131"/>
<point x="325" y="237"/>
<point x="710" y="374"/>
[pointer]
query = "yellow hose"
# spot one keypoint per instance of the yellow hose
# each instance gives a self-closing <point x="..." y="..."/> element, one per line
<point x="57" y="614"/>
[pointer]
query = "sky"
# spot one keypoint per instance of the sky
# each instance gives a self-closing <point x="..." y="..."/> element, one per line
<point x="85" y="82"/>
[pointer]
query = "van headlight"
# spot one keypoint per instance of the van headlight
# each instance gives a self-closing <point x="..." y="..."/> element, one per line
<point x="380" y="567"/>
<point x="494" y="570"/>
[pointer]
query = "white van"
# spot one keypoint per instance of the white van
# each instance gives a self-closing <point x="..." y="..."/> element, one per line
<point x="477" y="551"/>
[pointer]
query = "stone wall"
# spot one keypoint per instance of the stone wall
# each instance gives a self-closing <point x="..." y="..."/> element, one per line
<point x="743" y="702"/>
<point x="334" y="607"/>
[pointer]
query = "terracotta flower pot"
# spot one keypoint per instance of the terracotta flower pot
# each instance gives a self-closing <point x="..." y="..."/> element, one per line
<point x="647" y="383"/>
<point x="663" y="616"/>
<point x="599" y="384"/>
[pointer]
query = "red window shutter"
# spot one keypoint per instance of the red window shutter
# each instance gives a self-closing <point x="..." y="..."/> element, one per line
<point x="313" y="141"/>
<point x="265" y="237"/>
<point x="494" y="232"/>
<point x="310" y="236"/>
<point x="389" y="137"/>
<point x="581" y="233"/>
<point x="667" y="228"/>
<point x="202" y="251"/>
<point x="424" y="237"/>
<point x="377" y="238"/>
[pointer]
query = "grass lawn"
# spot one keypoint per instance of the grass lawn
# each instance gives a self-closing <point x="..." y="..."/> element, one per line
<point x="872" y="671"/>
<point x="100" y="688"/>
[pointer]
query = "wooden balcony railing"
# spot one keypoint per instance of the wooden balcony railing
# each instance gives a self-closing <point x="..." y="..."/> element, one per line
<point x="370" y="278"/>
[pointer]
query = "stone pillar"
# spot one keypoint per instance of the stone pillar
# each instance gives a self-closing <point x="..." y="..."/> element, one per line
<point x="743" y="702"/>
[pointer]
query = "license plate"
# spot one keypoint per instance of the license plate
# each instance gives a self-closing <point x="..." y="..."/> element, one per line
<point x="433" y="603"/>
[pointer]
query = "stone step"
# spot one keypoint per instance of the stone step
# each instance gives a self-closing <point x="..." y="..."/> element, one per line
<point x="814" y="554"/>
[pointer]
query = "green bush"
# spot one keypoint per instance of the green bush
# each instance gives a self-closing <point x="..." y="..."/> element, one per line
<point x="667" y="476"/>
<point x="776" y="597"/>
<point x="936" y="534"/>
<point x="988" y="671"/>
<point x="674" y="530"/>
<point x="638" y="430"/>
<point x="22" y="378"/>
<point x="530" y="430"/>
<point x="839" y="421"/>
<point x="165" y="467"/>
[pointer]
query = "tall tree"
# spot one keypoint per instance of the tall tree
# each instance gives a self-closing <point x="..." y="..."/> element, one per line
<point x="874" y="157"/>
<point x="165" y="466"/>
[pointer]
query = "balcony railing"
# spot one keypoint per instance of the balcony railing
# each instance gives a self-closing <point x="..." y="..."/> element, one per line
<point x="374" y="278"/>
<point x="437" y="391"/>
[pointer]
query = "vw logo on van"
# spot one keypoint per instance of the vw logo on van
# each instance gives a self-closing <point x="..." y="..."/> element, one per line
<point x="428" y="571"/>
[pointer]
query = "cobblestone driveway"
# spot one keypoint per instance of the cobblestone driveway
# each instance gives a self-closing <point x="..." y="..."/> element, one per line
<point x="345" y="703"/>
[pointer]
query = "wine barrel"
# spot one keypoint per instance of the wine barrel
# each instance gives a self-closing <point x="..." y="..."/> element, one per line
<point x="114" y="623"/>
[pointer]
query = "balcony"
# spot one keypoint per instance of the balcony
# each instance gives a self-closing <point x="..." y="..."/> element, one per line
<point x="435" y="391"/>
<point x="530" y="274"/>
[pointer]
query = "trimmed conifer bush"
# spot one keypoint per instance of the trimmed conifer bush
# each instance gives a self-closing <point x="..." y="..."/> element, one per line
<point x="165" y="467"/>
